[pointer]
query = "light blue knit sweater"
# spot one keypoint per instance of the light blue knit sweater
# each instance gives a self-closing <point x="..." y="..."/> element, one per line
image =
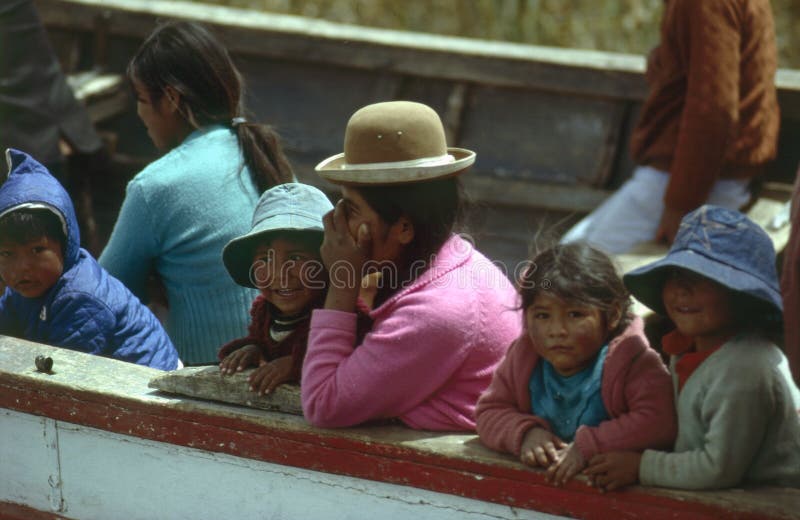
<point x="177" y="215"/>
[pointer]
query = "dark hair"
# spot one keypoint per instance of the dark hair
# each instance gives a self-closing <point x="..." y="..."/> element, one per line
<point x="188" y="58"/>
<point x="434" y="209"/>
<point x="24" y="225"/>
<point x="577" y="272"/>
<point x="757" y="315"/>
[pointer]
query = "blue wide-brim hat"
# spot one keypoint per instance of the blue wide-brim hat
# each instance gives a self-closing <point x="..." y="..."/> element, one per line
<point x="718" y="243"/>
<point x="287" y="207"/>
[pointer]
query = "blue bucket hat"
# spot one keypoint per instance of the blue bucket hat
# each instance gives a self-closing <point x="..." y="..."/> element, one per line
<point x="287" y="207"/>
<point x="718" y="243"/>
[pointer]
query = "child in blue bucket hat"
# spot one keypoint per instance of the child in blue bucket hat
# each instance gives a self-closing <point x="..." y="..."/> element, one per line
<point x="280" y="257"/>
<point x="736" y="401"/>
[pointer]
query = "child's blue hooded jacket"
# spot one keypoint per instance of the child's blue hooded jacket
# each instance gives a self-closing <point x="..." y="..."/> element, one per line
<point x="87" y="309"/>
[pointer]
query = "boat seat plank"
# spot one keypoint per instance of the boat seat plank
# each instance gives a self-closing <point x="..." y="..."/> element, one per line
<point x="542" y="136"/>
<point x="105" y="95"/>
<point x="208" y="383"/>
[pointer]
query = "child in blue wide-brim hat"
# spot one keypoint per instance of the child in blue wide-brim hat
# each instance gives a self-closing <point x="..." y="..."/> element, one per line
<point x="736" y="401"/>
<point x="279" y="256"/>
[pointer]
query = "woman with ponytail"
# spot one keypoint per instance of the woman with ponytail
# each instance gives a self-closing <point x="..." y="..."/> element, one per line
<point x="181" y="210"/>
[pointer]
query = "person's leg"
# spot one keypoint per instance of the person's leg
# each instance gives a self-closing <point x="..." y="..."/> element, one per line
<point x="730" y="193"/>
<point x="628" y="217"/>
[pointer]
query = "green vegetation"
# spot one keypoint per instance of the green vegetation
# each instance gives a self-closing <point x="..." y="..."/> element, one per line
<point x="613" y="25"/>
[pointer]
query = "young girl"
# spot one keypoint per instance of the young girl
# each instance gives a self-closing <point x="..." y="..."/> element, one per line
<point x="581" y="379"/>
<point x="279" y="256"/>
<point x="181" y="210"/>
<point x="737" y="403"/>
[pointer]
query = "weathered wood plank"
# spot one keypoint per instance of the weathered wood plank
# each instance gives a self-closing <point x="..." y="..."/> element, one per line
<point x="593" y="73"/>
<point x="105" y="95"/>
<point x="208" y="383"/>
<point x="296" y="38"/>
<point x="542" y="136"/>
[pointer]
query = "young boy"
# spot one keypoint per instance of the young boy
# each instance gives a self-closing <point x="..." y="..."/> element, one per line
<point x="735" y="398"/>
<point x="56" y="292"/>
<point x="279" y="256"/>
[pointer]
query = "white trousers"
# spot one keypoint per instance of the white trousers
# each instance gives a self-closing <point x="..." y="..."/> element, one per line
<point x="631" y="215"/>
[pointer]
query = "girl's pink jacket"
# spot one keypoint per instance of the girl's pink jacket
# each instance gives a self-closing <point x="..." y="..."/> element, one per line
<point x="430" y="353"/>
<point x="636" y="388"/>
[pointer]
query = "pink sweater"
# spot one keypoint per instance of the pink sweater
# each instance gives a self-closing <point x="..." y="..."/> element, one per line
<point x="636" y="390"/>
<point x="430" y="353"/>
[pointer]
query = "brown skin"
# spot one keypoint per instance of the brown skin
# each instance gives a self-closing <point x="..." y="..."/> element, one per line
<point x="266" y="377"/>
<point x="569" y="462"/>
<point x="165" y="123"/>
<point x="610" y="471"/>
<point x="355" y="234"/>
<point x="240" y="359"/>
<point x="539" y="448"/>
<point x="31" y="268"/>
<point x="668" y="225"/>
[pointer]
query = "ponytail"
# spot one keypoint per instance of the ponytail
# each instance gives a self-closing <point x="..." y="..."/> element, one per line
<point x="263" y="155"/>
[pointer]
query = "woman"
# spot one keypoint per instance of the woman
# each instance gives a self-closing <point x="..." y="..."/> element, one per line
<point x="442" y="314"/>
<point x="181" y="210"/>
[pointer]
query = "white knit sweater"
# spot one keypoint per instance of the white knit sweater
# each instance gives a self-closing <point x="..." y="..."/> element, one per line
<point x="738" y="422"/>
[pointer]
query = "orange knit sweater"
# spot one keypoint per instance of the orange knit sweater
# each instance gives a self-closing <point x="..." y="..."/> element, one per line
<point x="712" y="111"/>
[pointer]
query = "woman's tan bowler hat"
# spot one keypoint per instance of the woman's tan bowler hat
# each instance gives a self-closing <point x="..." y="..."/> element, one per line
<point x="395" y="142"/>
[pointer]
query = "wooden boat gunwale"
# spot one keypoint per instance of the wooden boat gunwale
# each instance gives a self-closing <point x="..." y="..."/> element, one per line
<point x="113" y="396"/>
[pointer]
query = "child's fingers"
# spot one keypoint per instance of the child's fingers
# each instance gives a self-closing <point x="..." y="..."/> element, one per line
<point x="245" y="360"/>
<point x="277" y="380"/>
<point x="240" y="361"/>
<point x="527" y="457"/>
<point x="560" y="472"/>
<point x="541" y="456"/>
<point x="545" y="454"/>
<point x="568" y="473"/>
<point x="597" y="465"/>
<point x="552" y="471"/>
<point x="612" y="482"/>
<point x="256" y="379"/>
<point x="557" y="473"/>
<point x="228" y="364"/>
<point x="266" y="382"/>
<point x="550" y="448"/>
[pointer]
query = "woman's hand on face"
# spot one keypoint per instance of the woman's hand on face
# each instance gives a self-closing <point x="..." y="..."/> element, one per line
<point x="610" y="471"/>
<point x="239" y="359"/>
<point x="570" y="462"/>
<point x="339" y="246"/>
<point x="344" y="257"/>
<point x="269" y="375"/>
<point x="539" y="448"/>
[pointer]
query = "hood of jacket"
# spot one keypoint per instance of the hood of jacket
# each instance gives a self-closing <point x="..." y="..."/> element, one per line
<point x="29" y="185"/>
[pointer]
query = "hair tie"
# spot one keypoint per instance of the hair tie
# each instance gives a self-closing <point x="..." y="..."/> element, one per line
<point x="236" y="121"/>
